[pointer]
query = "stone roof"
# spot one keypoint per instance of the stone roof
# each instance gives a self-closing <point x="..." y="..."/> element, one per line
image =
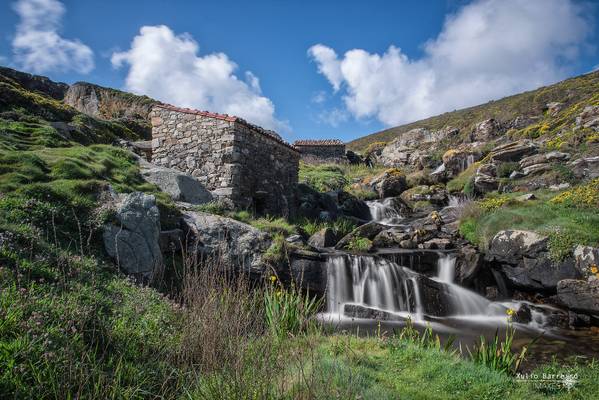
<point x="230" y="118"/>
<point x="323" y="142"/>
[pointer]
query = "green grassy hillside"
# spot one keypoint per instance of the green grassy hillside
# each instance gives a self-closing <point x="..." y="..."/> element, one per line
<point x="528" y="104"/>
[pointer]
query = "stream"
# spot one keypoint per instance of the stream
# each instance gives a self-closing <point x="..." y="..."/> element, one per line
<point x="368" y="294"/>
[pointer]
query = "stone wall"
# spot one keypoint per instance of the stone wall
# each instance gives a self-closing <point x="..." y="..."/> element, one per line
<point x="321" y="153"/>
<point x="238" y="162"/>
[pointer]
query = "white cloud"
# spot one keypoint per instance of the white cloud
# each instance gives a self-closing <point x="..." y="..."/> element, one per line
<point x="167" y="67"/>
<point x="486" y="50"/>
<point x="38" y="46"/>
<point x="333" y="117"/>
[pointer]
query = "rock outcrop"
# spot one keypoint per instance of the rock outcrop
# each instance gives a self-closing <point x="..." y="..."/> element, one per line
<point x="523" y="258"/>
<point x="179" y="186"/>
<point x="133" y="241"/>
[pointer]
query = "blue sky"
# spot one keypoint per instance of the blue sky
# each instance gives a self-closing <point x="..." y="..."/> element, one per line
<point x="317" y="69"/>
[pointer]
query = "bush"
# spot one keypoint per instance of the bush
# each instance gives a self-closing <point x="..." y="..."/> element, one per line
<point x="561" y="244"/>
<point x="359" y="244"/>
<point x="586" y="195"/>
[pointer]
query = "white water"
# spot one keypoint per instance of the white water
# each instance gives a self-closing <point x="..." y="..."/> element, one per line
<point x="384" y="211"/>
<point x="371" y="282"/>
<point x="377" y="283"/>
<point x="439" y="169"/>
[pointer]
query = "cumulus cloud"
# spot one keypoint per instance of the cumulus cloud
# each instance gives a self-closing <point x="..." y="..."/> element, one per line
<point x="319" y="97"/>
<point x="38" y="46"/>
<point x="486" y="50"/>
<point x="167" y="67"/>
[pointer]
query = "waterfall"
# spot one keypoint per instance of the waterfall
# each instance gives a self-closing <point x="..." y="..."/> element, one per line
<point x="464" y="301"/>
<point x="371" y="282"/>
<point x="446" y="269"/>
<point x="372" y="287"/>
<point x="384" y="211"/>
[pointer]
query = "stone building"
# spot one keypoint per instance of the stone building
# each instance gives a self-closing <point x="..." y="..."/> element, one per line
<point x="321" y="151"/>
<point x="240" y="163"/>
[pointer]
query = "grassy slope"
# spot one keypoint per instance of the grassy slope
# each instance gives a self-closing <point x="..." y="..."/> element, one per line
<point x="530" y="103"/>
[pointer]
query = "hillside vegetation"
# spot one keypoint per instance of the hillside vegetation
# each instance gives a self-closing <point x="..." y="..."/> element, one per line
<point x="527" y="104"/>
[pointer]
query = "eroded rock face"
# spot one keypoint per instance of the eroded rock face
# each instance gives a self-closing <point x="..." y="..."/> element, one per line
<point x="523" y="258"/>
<point x="485" y="179"/>
<point x="513" y="151"/>
<point x="227" y="240"/>
<point x="413" y="147"/>
<point x="579" y="295"/>
<point x="179" y="186"/>
<point x="486" y="130"/>
<point x="589" y="118"/>
<point x="134" y="241"/>
<point x="458" y="159"/>
<point x="586" y="167"/>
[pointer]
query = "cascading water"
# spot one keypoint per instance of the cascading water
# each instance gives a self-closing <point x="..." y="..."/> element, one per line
<point x="372" y="283"/>
<point x="384" y="211"/>
<point x="376" y="283"/>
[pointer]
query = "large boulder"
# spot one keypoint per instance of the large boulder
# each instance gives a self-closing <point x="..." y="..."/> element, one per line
<point x="523" y="258"/>
<point x="179" y="186"/>
<point x="579" y="295"/>
<point x="308" y="270"/>
<point x="230" y="242"/>
<point x="389" y="183"/>
<point x="133" y="241"/>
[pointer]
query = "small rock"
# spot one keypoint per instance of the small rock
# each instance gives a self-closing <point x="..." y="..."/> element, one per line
<point x="436" y="244"/>
<point x="561" y="186"/>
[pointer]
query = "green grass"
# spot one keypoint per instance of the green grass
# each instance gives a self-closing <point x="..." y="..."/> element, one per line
<point x="581" y="224"/>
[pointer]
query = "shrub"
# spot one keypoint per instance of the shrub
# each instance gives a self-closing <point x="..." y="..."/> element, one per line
<point x="493" y="203"/>
<point x="561" y="244"/>
<point x="359" y="244"/>
<point x="213" y="207"/>
<point x="581" y="196"/>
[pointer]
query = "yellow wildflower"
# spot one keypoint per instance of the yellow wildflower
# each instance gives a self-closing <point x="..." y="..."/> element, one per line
<point x="510" y="312"/>
<point x="594" y="269"/>
<point x="273" y="278"/>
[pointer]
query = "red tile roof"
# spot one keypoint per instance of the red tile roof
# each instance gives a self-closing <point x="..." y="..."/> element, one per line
<point x="231" y="118"/>
<point x="323" y="142"/>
